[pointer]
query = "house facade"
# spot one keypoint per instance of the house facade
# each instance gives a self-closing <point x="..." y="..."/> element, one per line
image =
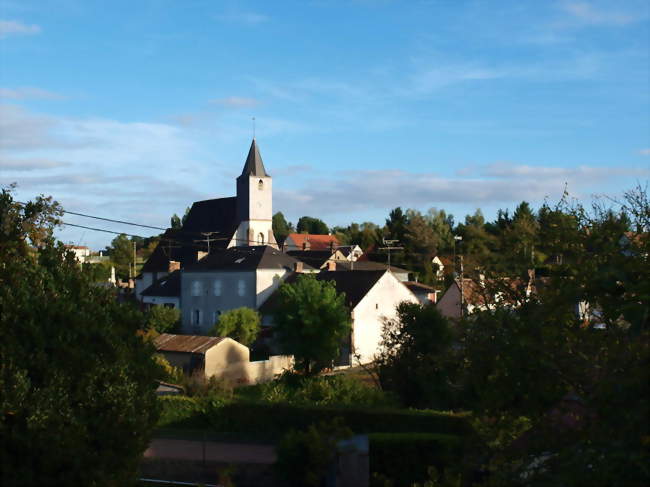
<point x="234" y="278"/>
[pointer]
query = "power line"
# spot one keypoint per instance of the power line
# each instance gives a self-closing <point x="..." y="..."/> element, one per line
<point x="105" y="219"/>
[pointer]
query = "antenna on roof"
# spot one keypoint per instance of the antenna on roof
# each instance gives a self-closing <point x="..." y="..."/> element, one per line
<point x="253" y="128"/>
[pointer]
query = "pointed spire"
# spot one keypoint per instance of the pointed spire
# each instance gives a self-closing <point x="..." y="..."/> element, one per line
<point x="254" y="165"/>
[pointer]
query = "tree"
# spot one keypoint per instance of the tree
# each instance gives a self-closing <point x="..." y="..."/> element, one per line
<point x="241" y="324"/>
<point x="281" y="228"/>
<point x="175" y="222"/>
<point x="442" y="225"/>
<point x="163" y="319"/>
<point x="413" y="361"/>
<point x="121" y="252"/>
<point x="396" y="224"/>
<point x="311" y="322"/>
<point x="314" y="226"/>
<point x="78" y="400"/>
<point x="581" y="380"/>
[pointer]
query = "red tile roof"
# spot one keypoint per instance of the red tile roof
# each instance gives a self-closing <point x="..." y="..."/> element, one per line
<point x="316" y="242"/>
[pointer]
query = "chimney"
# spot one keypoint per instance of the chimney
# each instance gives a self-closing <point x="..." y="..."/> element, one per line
<point x="331" y="265"/>
<point x="298" y="266"/>
<point x="200" y="254"/>
<point x="173" y="266"/>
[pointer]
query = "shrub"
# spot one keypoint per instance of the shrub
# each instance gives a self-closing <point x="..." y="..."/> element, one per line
<point x="337" y="390"/>
<point x="304" y="456"/>
<point x="405" y="458"/>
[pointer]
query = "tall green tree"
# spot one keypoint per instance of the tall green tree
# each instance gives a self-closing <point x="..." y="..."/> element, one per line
<point x="442" y="226"/>
<point x="78" y="400"/>
<point x="175" y="222"/>
<point x="311" y="322"/>
<point x="396" y="224"/>
<point x="314" y="226"/>
<point x="281" y="228"/>
<point x="414" y="358"/>
<point x="241" y="324"/>
<point x="121" y="253"/>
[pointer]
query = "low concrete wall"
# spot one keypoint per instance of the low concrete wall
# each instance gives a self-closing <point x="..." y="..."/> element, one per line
<point x="244" y="372"/>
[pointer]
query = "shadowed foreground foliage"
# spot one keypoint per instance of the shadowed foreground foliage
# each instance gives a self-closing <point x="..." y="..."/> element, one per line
<point x="78" y="402"/>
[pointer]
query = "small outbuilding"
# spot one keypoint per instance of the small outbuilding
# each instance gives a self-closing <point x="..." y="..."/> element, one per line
<point x="212" y="355"/>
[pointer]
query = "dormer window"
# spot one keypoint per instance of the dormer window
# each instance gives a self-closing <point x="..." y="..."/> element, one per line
<point x="260" y="185"/>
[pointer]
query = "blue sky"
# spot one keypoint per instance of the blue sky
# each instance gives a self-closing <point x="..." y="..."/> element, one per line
<point x="133" y="110"/>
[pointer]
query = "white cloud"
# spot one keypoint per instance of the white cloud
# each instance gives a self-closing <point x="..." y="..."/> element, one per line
<point x="13" y="28"/>
<point x="586" y="13"/>
<point x="28" y="92"/>
<point x="236" y="102"/>
<point x="360" y="191"/>
<point x="28" y="164"/>
<point x="645" y="152"/>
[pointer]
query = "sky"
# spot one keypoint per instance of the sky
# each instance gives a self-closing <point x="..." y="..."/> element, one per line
<point x="133" y="110"/>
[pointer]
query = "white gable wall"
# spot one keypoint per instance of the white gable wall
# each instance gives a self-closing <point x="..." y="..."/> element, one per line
<point x="368" y="316"/>
<point x="268" y="280"/>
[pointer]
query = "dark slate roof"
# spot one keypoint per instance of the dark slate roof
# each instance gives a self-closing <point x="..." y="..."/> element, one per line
<point x="169" y="286"/>
<point x="217" y="216"/>
<point x="166" y="342"/>
<point x="366" y="265"/>
<point x="254" y="165"/>
<point x="418" y="287"/>
<point x="245" y="259"/>
<point x="354" y="284"/>
<point x="315" y="258"/>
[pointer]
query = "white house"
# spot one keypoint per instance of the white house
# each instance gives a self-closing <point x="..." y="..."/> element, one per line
<point x="372" y="297"/>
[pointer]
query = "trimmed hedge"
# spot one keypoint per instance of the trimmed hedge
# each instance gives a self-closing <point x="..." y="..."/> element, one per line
<point x="277" y="419"/>
<point x="404" y="458"/>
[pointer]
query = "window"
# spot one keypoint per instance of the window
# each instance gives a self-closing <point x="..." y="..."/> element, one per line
<point x="215" y="316"/>
<point x="241" y="287"/>
<point x="260" y="185"/>
<point x="216" y="287"/>
<point x="196" y="288"/>
<point x="260" y="239"/>
<point x="196" y="317"/>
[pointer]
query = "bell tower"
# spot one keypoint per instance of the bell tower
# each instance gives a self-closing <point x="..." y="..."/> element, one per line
<point x="254" y="203"/>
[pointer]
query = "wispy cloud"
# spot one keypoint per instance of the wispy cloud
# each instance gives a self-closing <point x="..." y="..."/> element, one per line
<point x="586" y="13"/>
<point x="236" y="102"/>
<point x="28" y="92"/>
<point x="15" y="28"/>
<point x="645" y="152"/>
<point x="28" y="164"/>
<point x="494" y="184"/>
<point x="247" y="18"/>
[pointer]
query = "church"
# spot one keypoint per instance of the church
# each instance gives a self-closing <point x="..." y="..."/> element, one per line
<point x="226" y="251"/>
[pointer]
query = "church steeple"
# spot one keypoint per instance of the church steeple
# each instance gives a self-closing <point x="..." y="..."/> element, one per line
<point x="254" y="165"/>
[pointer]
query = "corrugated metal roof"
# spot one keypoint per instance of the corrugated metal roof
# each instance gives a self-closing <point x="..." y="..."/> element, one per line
<point x="166" y="342"/>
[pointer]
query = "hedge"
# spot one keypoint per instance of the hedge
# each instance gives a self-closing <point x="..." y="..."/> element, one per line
<point x="277" y="419"/>
<point x="404" y="458"/>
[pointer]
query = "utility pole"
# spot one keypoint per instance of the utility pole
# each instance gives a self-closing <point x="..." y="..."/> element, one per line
<point x="134" y="260"/>
<point x="390" y="245"/>
<point x="207" y="239"/>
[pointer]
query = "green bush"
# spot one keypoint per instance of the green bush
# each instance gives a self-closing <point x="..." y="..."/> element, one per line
<point x="337" y="390"/>
<point x="406" y="458"/>
<point x="277" y="419"/>
<point x="180" y="411"/>
<point x="304" y="456"/>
